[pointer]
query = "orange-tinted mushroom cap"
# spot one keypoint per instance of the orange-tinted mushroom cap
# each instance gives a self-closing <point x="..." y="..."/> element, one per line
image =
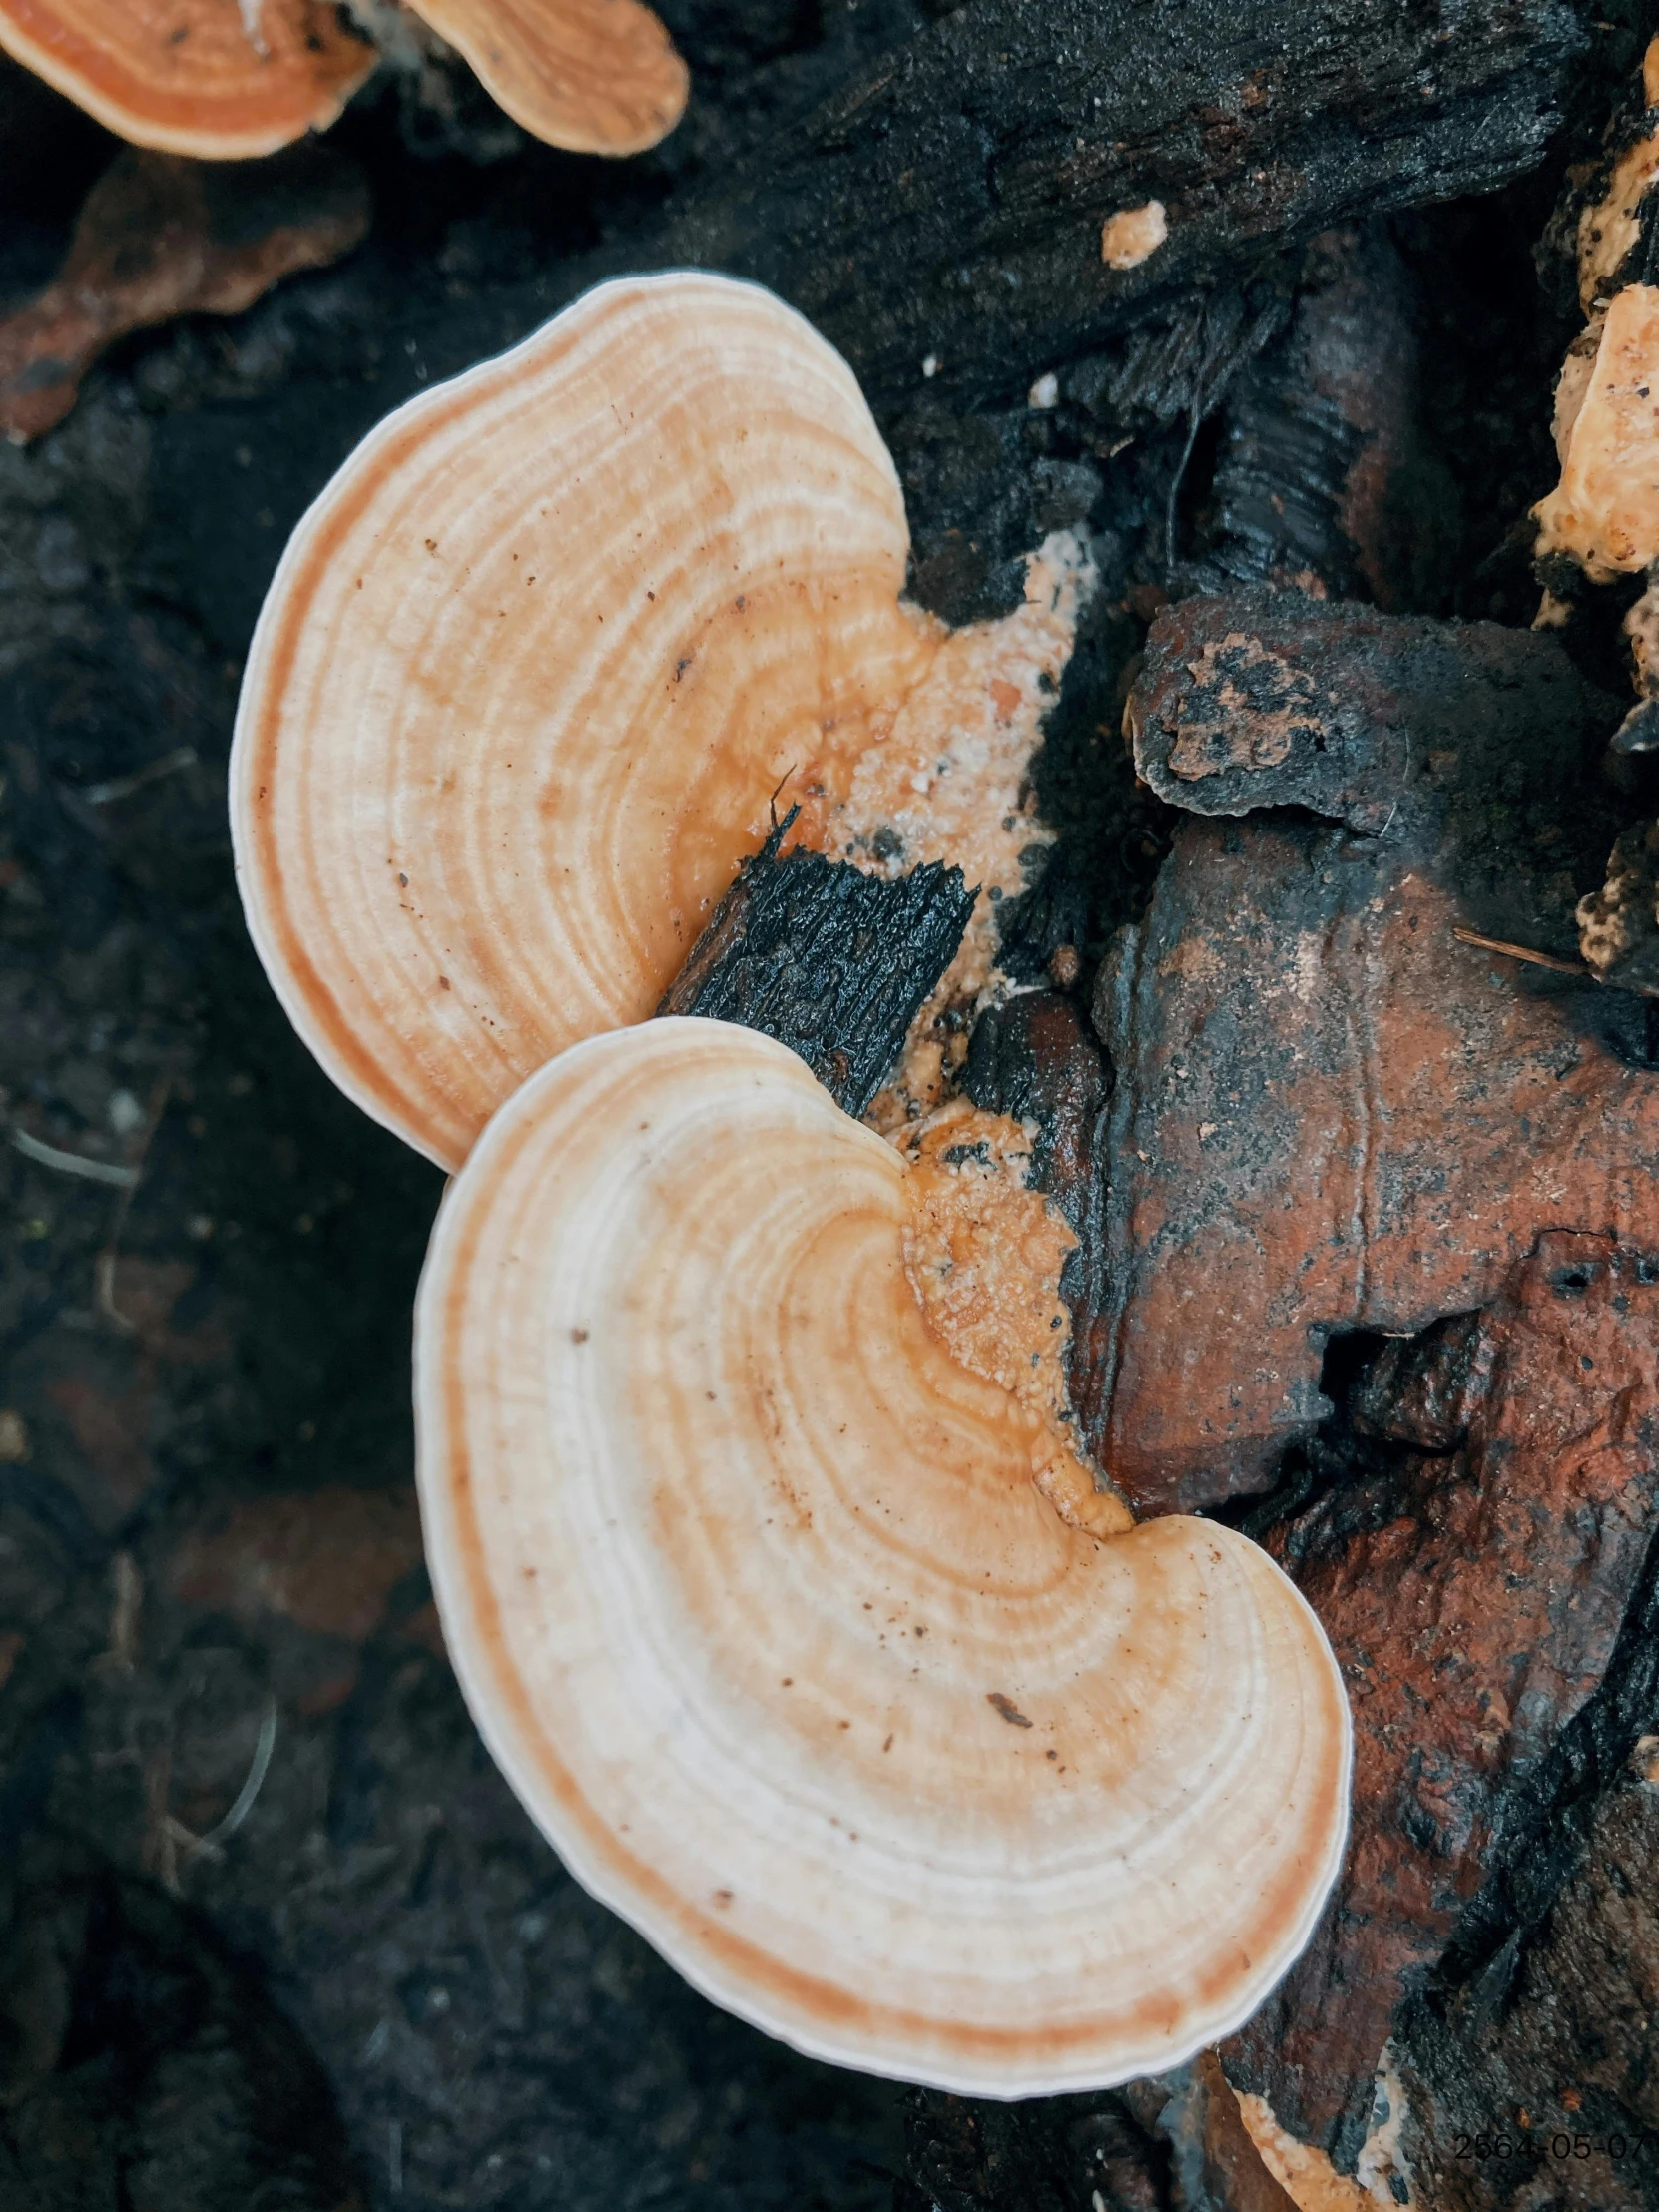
<point x="201" y="77"/>
<point x="531" y="671"/>
<point x="592" y="76"/>
<point x="756" y="1601"/>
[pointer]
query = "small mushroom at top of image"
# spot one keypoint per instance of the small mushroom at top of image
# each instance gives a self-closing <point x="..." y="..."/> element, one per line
<point x="1132" y="234"/>
<point x="541" y="660"/>
<point x="225" y="80"/>
<point x="768" y="1599"/>
<point x="210" y="78"/>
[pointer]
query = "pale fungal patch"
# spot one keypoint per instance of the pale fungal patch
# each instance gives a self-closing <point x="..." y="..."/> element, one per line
<point x="1306" y="2173"/>
<point x="1044" y="393"/>
<point x="1609" y="229"/>
<point x="949" y="777"/>
<point x="1303" y="2172"/>
<point x="1383" y="2158"/>
<point x="985" y="1252"/>
<point x="750" y="1587"/>
<point x="1604" y="512"/>
<point x="1132" y="234"/>
<point x="1624" y="913"/>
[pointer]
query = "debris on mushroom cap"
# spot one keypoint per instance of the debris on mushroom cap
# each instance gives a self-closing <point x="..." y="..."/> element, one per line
<point x="592" y="76"/>
<point x="160" y="236"/>
<point x="210" y="78"/>
<point x="1132" y="234"/>
<point x="754" y="1599"/>
<point x="536" y="664"/>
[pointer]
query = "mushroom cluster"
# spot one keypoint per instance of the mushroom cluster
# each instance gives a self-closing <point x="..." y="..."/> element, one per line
<point x="771" y="1571"/>
<point x="225" y="80"/>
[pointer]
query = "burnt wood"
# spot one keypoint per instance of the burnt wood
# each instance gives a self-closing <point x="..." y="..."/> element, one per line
<point x="832" y="962"/>
<point x="956" y="187"/>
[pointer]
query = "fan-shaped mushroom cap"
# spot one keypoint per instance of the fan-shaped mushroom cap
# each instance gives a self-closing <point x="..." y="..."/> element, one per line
<point x="202" y="77"/>
<point x="593" y="76"/>
<point x="536" y="661"/>
<point x="754" y="1598"/>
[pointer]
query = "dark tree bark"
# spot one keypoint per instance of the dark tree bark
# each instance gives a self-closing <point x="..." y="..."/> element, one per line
<point x="832" y="962"/>
<point x="958" y="186"/>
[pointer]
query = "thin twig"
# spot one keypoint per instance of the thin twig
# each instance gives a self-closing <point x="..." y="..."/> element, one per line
<point x="74" y="1163"/>
<point x="103" y="1273"/>
<point x="244" y="1803"/>
<point x="1520" y="952"/>
<point x="122" y="786"/>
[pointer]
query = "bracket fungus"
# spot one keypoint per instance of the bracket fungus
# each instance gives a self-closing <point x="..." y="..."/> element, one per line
<point x="592" y="76"/>
<point x="539" y="660"/>
<point x="752" y="1595"/>
<point x="212" y="78"/>
<point x="225" y="80"/>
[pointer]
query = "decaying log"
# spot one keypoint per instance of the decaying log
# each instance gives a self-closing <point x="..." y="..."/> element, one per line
<point x="961" y="183"/>
<point x="1322" y="480"/>
<point x="1329" y="1113"/>
<point x="831" y="962"/>
<point x="1474" y="1588"/>
<point x="1552" y="2046"/>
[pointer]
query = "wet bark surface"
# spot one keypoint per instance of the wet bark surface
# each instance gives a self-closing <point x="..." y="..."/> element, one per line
<point x="269" y="1918"/>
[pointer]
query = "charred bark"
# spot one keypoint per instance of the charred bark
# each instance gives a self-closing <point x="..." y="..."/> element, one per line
<point x="959" y="185"/>
<point x="832" y="962"/>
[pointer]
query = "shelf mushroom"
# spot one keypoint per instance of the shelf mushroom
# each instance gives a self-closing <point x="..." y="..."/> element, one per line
<point x="753" y="1595"/>
<point x="210" y="78"/>
<point x="592" y="76"/>
<point x="228" y="79"/>
<point x="538" y="660"/>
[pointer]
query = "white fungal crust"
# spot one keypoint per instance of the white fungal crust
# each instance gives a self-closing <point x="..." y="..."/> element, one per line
<point x="592" y="76"/>
<point x="537" y="663"/>
<point x="754" y="1600"/>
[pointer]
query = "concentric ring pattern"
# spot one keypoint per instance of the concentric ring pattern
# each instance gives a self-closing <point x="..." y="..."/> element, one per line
<point x="530" y="672"/>
<point x="593" y="76"/>
<point x="754" y="1601"/>
<point x="187" y="76"/>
